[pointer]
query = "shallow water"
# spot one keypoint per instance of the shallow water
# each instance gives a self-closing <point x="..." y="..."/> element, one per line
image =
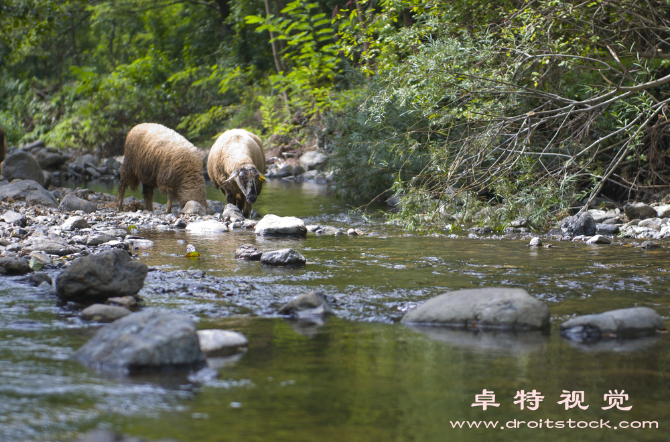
<point x="360" y="376"/>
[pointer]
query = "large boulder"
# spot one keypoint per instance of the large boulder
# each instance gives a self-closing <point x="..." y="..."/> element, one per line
<point x="313" y="160"/>
<point x="639" y="211"/>
<point x="72" y="203"/>
<point x="95" y="278"/>
<point x="283" y="257"/>
<point x="22" y="166"/>
<point x="273" y="225"/>
<point x="623" y="323"/>
<point x="146" y="341"/>
<point x="483" y="308"/>
<point x="580" y="224"/>
<point x="28" y="190"/>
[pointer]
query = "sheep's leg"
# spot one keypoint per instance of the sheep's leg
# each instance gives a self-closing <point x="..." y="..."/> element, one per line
<point x="246" y="211"/>
<point x="241" y="204"/>
<point x="168" y="209"/>
<point x="148" y="192"/>
<point x="119" y="196"/>
<point x="231" y="199"/>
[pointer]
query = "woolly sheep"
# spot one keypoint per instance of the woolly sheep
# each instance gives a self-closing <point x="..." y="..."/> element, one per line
<point x="235" y="165"/>
<point x="159" y="157"/>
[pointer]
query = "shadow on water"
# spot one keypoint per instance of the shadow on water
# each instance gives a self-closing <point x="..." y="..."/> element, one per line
<point x="359" y="376"/>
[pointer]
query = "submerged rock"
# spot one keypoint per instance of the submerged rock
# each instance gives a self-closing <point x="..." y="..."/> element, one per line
<point x="104" y="313"/>
<point x="623" y="323"/>
<point x="273" y="225"/>
<point x="95" y="278"/>
<point x="145" y="341"/>
<point x="249" y="252"/>
<point x="488" y="307"/>
<point x="308" y="304"/>
<point x="283" y="257"/>
<point x="221" y="342"/>
<point x="580" y="224"/>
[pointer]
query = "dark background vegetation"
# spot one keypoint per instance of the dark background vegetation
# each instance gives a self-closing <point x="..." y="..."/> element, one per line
<point x="536" y="106"/>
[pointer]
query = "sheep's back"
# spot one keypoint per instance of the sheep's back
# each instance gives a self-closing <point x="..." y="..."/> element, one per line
<point x="233" y="149"/>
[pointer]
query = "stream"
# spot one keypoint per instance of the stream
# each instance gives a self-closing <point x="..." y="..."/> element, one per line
<point x="359" y="375"/>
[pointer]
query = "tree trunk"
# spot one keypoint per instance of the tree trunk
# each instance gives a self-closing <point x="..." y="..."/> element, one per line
<point x="275" y="55"/>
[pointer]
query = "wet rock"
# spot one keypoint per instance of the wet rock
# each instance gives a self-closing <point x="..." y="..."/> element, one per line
<point x="109" y="436"/>
<point x="521" y="222"/>
<point x="277" y="171"/>
<point x="123" y="301"/>
<point x="624" y="323"/>
<point x="22" y="166"/>
<point x="98" y="238"/>
<point x="232" y="213"/>
<point x="71" y="203"/>
<point x="663" y="211"/>
<point x="249" y="252"/>
<point x="482" y="308"/>
<point x="215" y="343"/>
<point x="273" y="225"/>
<point x="104" y="313"/>
<point x="13" y="266"/>
<point x="313" y="160"/>
<point x="307" y="304"/>
<point x="194" y="208"/>
<point x="352" y="232"/>
<point x="40" y="260"/>
<point x="639" y="211"/>
<point x="481" y="230"/>
<point x="650" y="245"/>
<point x="249" y="224"/>
<point x="138" y="243"/>
<point x="14" y="218"/>
<point x="146" y="341"/>
<point x="283" y="257"/>
<point x="38" y="278"/>
<point x="50" y="245"/>
<point x="598" y="239"/>
<point x="95" y="278"/>
<point x="206" y="227"/>
<point x="74" y="222"/>
<point x="535" y="242"/>
<point x="607" y="229"/>
<point x="580" y="224"/>
<point x="30" y="191"/>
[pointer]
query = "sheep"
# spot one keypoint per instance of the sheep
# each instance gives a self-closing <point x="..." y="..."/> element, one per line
<point x="159" y="157"/>
<point x="3" y="145"/>
<point x="235" y="165"/>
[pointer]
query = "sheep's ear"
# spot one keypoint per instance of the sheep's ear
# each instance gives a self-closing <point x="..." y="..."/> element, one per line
<point x="262" y="178"/>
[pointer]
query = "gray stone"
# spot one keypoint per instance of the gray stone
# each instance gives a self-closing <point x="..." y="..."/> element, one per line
<point x="313" y="160"/>
<point x="123" y="301"/>
<point x="535" y="242"/>
<point x="607" y="229"/>
<point x="102" y="435"/>
<point x="93" y="172"/>
<point x="13" y="266"/>
<point x="352" y="232"/>
<point x="273" y="225"/>
<point x="283" y="257"/>
<point x="624" y="323"/>
<point x="51" y="160"/>
<point x="206" y="227"/>
<point x="232" y="213"/>
<point x="599" y="239"/>
<point x="663" y="211"/>
<point x="194" y="208"/>
<point x="298" y="170"/>
<point x="71" y="203"/>
<point x="138" y="243"/>
<point x="179" y="224"/>
<point x="30" y="191"/>
<point x="51" y="245"/>
<point x="520" y="222"/>
<point x="249" y="252"/>
<point x="39" y="260"/>
<point x="114" y="233"/>
<point x="22" y="166"/>
<point x="652" y="223"/>
<point x="330" y="230"/>
<point x="75" y="222"/>
<point x="580" y="224"/>
<point x="145" y="341"/>
<point x="14" y="218"/>
<point x="639" y="211"/>
<point x="305" y="305"/>
<point x="276" y="171"/>
<point x="104" y="313"/>
<point x="95" y="278"/>
<point x="216" y="343"/>
<point x="649" y="245"/>
<point x="38" y="278"/>
<point x="482" y="308"/>
<point x="98" y="238"/>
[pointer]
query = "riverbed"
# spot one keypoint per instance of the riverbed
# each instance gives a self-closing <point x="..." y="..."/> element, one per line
<point x="360" y="375"/>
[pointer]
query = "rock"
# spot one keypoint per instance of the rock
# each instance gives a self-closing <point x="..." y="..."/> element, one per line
<point x="607" y="229"/>
<point x="22" y="166"/>
<point x="71" y="204"/>
<point x="283" y="257"/>
<point x="74" y="222"/>
<point x="215" y="343"/>
<point x="520" y="222"/>
<point x="123" y="301"/>
<point x="50" y="245"/>
<point x="487" y="307"/>
<point x="39" y="260"/>
<point x="51" y="160"/>
<point x="194" y="208"/>
<point x="298" y="170"/>
<point x="38" y="278"/>
<point x="663" y="211"/>
<point x="649" y="245"/>
<point x="138" y="243"/>
<point x="232" y="213"/>
<point x="652" y="223"/>
<point x="599" y="239"/>
<point x="580" y="224"/>
<point x="535" y="242"/>
<point x="104" y="313"/>
<point x="14" y="218"/>
<point x="102" y="435"/>
<point x="273" y="225"/>
<point x="481" y="230"/>
<point x="307" y="304"/>
<point x="352" y="232"/>
<point x="98" y="238"/>
<point x="30" y="191"/>
<point x="249" y="252"/>
<point x="13" y="266"/>
<point x="313" y="160"/>
<point x="624" y="323"/>
<point x="639" y="211"/>
<point x="94" y="278"/>
<point x="249" y="223"/>
<point x="93" y="172"/>
<point x="206" y="227"/>
<point x="146" y="341"/>
<point x="276" y="171"/>
<point x="114" y="233"/>
<point x="330" y="230"/>
<point x="179" y="224"/>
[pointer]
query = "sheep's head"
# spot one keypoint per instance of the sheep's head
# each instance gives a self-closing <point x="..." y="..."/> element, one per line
<point x="247" y="178"/>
